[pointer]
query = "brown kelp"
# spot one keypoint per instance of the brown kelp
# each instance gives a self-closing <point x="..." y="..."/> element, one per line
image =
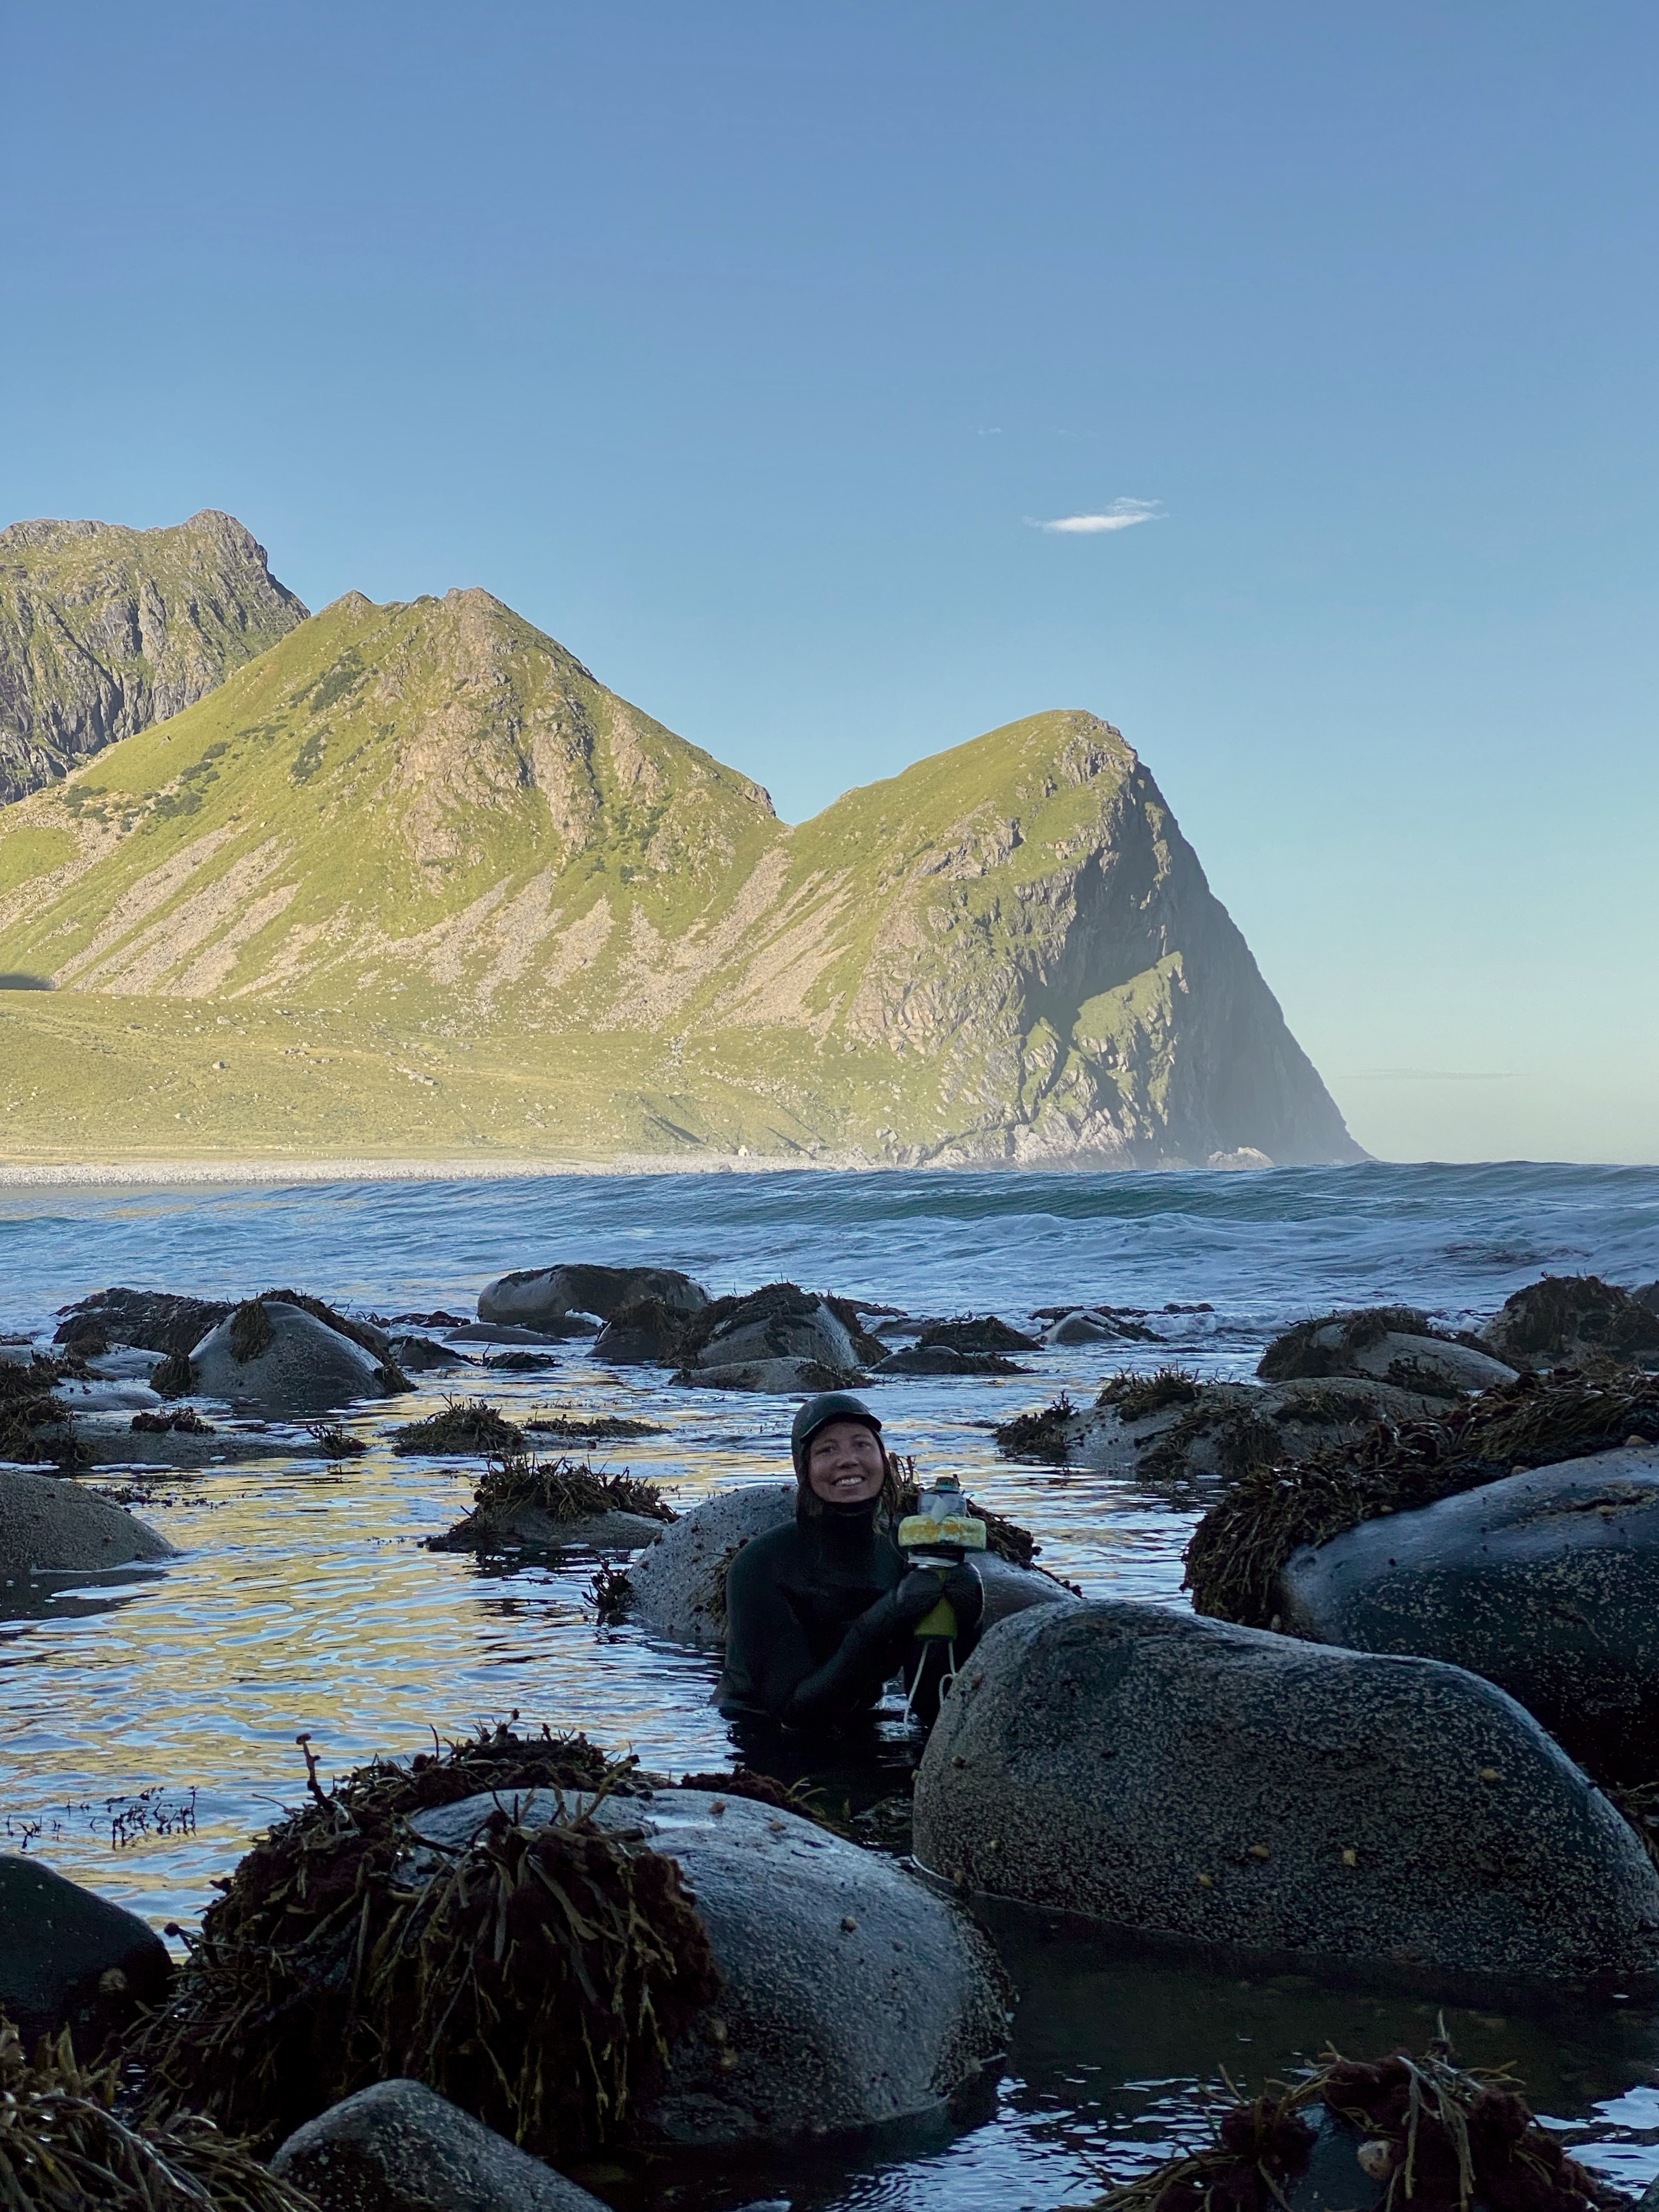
<point x="563" y="1489"/>
<point x="536" y="1977"/>
<point x="1432" y="2136"/>
<point x="64" y="2148"/>
<point x="1236" y="1550"/>
<point x="466" y="1424"/>
<point x="1039" y="1435"/>
<point x="35" y="1426"/>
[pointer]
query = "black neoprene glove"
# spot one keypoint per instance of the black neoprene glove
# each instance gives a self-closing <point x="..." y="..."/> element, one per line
<point x="966" y="1593"/>
<point x="919" y="1593"/>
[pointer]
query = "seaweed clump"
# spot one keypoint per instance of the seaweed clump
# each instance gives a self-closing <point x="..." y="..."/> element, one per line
<point x="1574" y="1317"/>
<point x="1432" y="2137"/>
<point x="1138" y="1397"/>
<point x="1040" y="1434"/>
<point x="1236" y="1553"/>
<point x="466" y="1424"/>
<point x="599" y="1428"/>
<point x="183" y="1420"/>
<point x="35" y="1425"/>
<point x="64" y="2148"/>
<point x="538" y="1976"/>
<point x="563" y="1489"/>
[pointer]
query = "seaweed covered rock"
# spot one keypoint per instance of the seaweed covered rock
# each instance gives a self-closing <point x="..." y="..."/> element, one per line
<point x="925" y="1358"/>
<point x="36" y="1429"/>
<point x="466" y="1424"/>
<point x="972" y="1332"/>
<point x="645" y="1334"/>
<point x="1565" y="1320"/>
<point x="780" y="1331"/>
<point x="1546" y="1583"/>
<point x="1168" y="1430"/>
<point x="280" y="1359"/>
<point x="850" y="1994"/>
<point x="151" y="1320"/>
<point x="49" y="1524"/>
<point x="537" y="1978"/>
<point x="556" y="1505"/>
<point x="1383" y="1344"/>
<point x="1238" y="1551"/>
<point x="536" y="1297"/>
<point x="399" y="2147"/>
<point x="679" y="1586"/>
<point x="69" y="1959"/>
<point x="1195" y="1780"/>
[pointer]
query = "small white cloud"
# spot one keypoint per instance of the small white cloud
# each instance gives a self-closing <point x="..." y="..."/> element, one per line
<point x="1121" y="514"/>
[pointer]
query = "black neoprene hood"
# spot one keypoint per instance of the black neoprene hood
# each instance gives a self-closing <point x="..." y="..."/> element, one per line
<point x="816" y="1414"/>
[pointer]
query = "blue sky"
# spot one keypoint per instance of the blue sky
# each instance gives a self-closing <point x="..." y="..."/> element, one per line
<point x="743" y="347"/>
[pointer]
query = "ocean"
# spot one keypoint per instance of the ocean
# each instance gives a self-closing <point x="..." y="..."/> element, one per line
<point x="147" y="1727"/>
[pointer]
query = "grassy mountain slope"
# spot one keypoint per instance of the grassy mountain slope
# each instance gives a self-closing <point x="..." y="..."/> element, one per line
<point x="104" y="630"/>
<point x="414" y="881"/>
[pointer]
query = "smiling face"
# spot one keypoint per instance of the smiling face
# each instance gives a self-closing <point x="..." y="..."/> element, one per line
<point x="844" y="1463"/>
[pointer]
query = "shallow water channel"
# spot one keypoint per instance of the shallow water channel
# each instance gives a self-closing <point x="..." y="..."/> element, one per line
<point x="149" y="1725"/>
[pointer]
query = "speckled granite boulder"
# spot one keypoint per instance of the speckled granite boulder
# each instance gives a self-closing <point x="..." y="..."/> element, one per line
<point x="1546" y="1583"/>
<point x="399" y="2147"/>
<point x="49" y="1525"/>
<point x="679" y="1584"/>
<point x="852" y="1995"/>
<point x="1192" y="1779"/>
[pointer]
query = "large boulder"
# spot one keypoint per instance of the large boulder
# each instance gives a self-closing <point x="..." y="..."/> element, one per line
<point x="1187" y="1778"/>
<point x="678" y="1585"/>
<point x="279" y="1360"/>
<point x="1565" y="1320"/>
<point x="780" y="1322"/>
<point x="977" y="1333"/>
<point x="70" y="1959"/>
<point x="1547" y="1582"/>
<point x="49" y="1525"/>
<point x="1168" y="1428"/>
<point x="926" y="1358"/>
<point x="851" y="1995"/>
<point x="781" y="1377"/>
<point x="643" y="1335"/>
<point x="1384" y="1344"/>
<point x="399" y="2147"/>
<point x="537" y="1296"/>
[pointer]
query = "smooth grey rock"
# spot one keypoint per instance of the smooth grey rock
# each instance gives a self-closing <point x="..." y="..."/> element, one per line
<point x="852" y="1994"/>
<point x="1193" y="1779"/>
<point x="945" y="1359"/>
<point x="1083" y="1327"/>
<point x="419" y="1355"/>
<point x="1399" y="1358"/>
<point x="307" y="1367"/>
<point x="533" y="1295"/>
<point x="679" y="1584"/>
<point x="1546" y="1583"/>
<point x="399" y="2147"/>
<point x="769" y="1338"/>
<point x="70" y="1959"/>
<point x="777" y="1375"/>
<point x="126" y="1363"/>
<point x="109" y="1394"/>
<point x="49" y="1525"/>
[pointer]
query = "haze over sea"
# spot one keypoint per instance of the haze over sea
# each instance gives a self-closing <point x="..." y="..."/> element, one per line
<point x="304" y="1599"/>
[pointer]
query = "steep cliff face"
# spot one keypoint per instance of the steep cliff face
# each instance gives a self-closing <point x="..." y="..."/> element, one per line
<point x="430" y="829"/>
<point x="104" y="630"/>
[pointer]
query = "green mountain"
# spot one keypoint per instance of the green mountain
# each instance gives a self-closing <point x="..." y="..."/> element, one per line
<point x="104" y="630"/>
<point x="413" y="882"/>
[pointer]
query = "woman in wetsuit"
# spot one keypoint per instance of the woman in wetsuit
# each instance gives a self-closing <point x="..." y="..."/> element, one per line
<point x="822" y="1613"/>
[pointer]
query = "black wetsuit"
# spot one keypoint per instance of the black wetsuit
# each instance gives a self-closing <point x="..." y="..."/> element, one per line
<point x="817" y="1625"/>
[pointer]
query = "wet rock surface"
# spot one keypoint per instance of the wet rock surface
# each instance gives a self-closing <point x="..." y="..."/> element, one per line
<point x="540" y="1296"/>
<point x="1565" y="1320"/>
<point x="924" y="1358"/>
<point x="852" y="1995"/>
<point x="1384" y="1344"/>
<point x="152" y="1321"/>
<point x="283" y="1361"/>
<point x="1546" y="1583"/>
<point x="780" y="1377"/>
<point x="399" y="2147"/>
<point x="70" y="1959"/>
<point x="779" y="1322"/>
<point x="50" y="1524"/>
<point x="1192" y="1779"/>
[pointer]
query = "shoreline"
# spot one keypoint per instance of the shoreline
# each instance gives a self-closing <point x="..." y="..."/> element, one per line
<point x="23" y="1175"/>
